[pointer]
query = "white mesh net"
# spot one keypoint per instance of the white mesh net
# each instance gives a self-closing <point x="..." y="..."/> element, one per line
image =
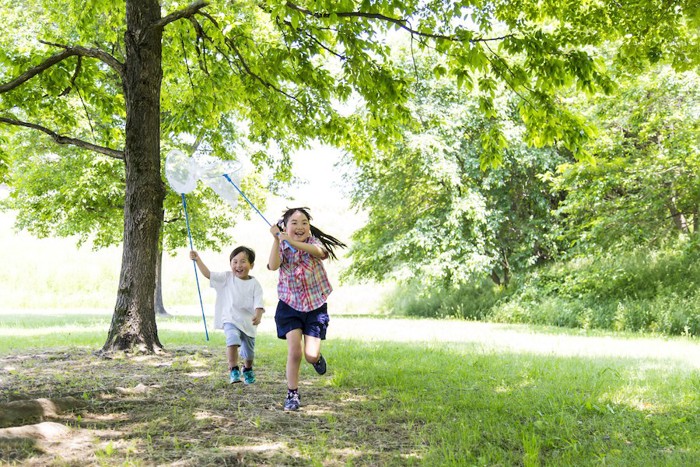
<point x="212" y="172"/>
<point x="183" y="172"/>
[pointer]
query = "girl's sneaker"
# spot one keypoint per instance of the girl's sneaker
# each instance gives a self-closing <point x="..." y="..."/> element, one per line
<point x="235" y="376"/>
<point x="320" y="365"/>
<point x="292" y="402"/>
<point x="248" y="376"/>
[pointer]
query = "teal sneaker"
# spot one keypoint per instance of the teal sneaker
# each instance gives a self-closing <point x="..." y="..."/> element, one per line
<point x="235" y="376"/>
<point x="248" y="376"/>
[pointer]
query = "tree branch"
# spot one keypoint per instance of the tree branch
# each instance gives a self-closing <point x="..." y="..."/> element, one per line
<point x="57" y="58"/>
<point x="314" y="39"/>
<point x="201" y="36"/>
<point x="231" y="45"/>
<point x="255" y="76"/>
<point x="188" y="12"/>
<point x="116" y="154"/>
<point x="101" y="55"/>
<point x="402" y="23"/>
<point x="76" y="72"/>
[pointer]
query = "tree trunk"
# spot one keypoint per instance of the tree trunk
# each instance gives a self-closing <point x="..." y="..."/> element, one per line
<point x="678" y="218"/>
<point x="158" y="297"/>
<point x="505" y="264"/>
<point x="495" y="277"/>
<point x="133" y="322"/>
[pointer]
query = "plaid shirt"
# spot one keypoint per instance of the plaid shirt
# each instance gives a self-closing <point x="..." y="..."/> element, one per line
<point x="303" y="282"/>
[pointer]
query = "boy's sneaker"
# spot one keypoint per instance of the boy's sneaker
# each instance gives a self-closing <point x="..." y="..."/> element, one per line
<point x="248" y="376"/>
<point x="292" y="402"/>
<point x="235" y="376"/>
<point x="320" y="365"/>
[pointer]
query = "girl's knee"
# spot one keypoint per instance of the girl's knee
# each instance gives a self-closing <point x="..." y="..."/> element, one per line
<point x="311" y="357"/>
<point x="294" y="355"/>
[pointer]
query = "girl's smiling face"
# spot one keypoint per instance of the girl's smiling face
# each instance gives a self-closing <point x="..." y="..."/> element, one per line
<point x="298" y="227"/>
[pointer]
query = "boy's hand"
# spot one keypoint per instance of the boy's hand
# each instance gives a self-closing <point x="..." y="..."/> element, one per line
<point x="258" y="316"/>
<point x="194" y="255"/>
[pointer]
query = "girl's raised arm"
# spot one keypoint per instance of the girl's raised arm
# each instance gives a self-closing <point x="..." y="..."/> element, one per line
<point x="273" y="263"/>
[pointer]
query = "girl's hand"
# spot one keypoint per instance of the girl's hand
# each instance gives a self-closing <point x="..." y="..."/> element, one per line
<point x="283" y="237"/>
<point x="194" y="255"/>
<point x="275" y="231"/>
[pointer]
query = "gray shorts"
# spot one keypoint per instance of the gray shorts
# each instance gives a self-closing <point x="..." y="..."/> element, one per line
<point x="235" y="336"/>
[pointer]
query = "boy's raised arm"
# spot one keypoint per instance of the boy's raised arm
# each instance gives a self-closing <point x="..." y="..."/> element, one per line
<point x="194" y="256"/>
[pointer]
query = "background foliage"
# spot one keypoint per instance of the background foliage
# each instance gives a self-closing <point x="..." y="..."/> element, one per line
<point x="607" y="241"/>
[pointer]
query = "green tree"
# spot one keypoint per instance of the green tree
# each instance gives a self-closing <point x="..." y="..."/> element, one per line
<point x="643" y="184"/>
<point x="435" y="214"/>
<point x="117" y="79"/>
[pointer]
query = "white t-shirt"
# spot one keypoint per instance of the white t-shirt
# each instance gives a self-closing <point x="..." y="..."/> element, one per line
<point x="236" y="301"/>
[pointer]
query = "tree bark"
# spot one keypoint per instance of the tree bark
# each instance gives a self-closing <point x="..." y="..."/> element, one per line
<point x="505" y="266"/>
<point x="133" y="322"/>
<point x="158" y="297"/>
<point x="679" y="219"/>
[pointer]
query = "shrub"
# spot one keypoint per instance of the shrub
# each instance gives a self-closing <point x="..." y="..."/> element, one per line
<point x="639" y="290"/>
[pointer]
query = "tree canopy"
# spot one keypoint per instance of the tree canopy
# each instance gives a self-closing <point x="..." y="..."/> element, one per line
<point x="434" y="214"/>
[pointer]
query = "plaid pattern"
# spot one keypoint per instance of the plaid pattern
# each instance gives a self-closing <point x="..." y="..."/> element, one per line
<point x="303" y="282"/>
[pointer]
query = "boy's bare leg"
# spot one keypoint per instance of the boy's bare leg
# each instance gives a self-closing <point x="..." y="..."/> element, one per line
<point x="232" y="355"/>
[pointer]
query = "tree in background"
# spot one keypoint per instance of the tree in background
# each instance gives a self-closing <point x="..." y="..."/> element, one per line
<point x="434" y="214"/>
<point x="643" y="184"/>
<point x="119" y="81"/>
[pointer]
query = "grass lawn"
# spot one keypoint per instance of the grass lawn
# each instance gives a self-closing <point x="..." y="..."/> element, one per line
<point x="382" y="402"/>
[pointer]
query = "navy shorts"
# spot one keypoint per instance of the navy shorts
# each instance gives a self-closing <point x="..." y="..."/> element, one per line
<point x="312" y="323"/>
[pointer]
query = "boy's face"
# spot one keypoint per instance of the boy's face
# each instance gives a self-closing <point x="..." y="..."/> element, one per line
<point x="241" y="266"/>
<point x="298" y="227"/>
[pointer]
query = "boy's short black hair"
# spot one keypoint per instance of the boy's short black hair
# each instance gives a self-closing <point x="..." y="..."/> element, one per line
<point x="248" y="251"/>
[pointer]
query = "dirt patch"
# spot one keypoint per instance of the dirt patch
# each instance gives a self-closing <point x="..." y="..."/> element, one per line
<point x="178" y="409"/>
<point x="30" y="411"/>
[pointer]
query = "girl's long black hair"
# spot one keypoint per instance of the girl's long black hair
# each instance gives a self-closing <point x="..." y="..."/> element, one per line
<point x="329" y="241"/>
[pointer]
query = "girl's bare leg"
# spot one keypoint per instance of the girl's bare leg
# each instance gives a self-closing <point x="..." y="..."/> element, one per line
<point x="293" y="358"/>
<point x="312" y="348"/>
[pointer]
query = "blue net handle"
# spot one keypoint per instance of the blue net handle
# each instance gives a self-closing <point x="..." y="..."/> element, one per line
<point x="253" y="206"/>
<point x="194" y="264"/>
